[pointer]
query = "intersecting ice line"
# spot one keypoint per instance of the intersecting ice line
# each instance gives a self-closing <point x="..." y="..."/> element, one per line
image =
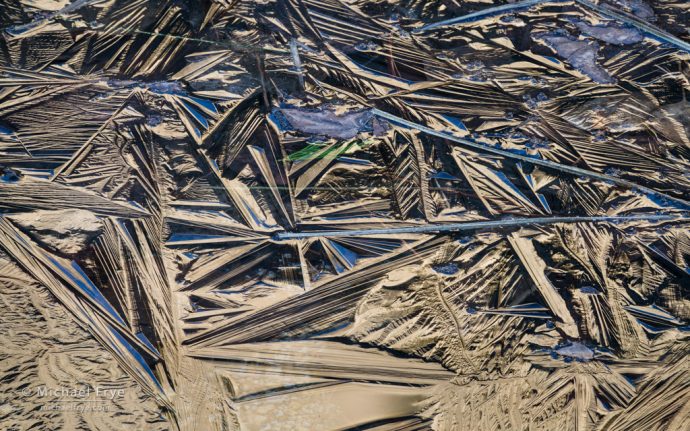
<point x="533" y="160"/>
<point x="490" y="224"/>
<point x="606" y="11"/>
<point x="231" y="44"/>
<point x="641" y="25"/>
<point x="497" y="10"/>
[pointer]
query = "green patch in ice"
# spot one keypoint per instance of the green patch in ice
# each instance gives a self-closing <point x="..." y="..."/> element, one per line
<point x="316" y="150"/>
